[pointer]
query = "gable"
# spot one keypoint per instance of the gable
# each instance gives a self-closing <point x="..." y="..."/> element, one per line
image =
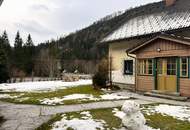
<point x="163" y="45"/>
<point x="163" y="48"/>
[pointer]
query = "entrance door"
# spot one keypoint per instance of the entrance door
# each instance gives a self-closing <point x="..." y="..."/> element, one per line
<point x="167" y="74"/>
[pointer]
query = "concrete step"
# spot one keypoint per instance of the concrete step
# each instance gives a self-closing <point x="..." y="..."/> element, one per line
<point x="166" y="93"/>
<point x="177" y="98"/>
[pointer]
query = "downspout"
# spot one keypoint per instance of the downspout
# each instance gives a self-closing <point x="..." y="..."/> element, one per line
<point x="135" y="68"/>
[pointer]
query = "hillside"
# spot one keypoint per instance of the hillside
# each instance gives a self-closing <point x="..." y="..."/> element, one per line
<point x="83" y="44"/>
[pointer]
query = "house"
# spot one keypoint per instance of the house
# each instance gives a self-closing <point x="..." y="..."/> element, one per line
<point x="143" y="25"/>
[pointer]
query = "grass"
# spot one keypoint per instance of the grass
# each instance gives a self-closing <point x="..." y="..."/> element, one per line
<point x="34" y="97"/>
<point x="100" y="114"/>
<point x="166" y="122"/>
<point x="157" y="121"/>
<point x="48" y="125"/>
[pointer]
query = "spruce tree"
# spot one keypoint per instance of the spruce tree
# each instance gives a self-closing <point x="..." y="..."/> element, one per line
<point x="5" y="46"/>
<point x="29" y="55"/>
<point x="5" y="38"/>
<point x="18" y="52"/>
<point x="18" y="41"/>
<point x="4" y="75"/>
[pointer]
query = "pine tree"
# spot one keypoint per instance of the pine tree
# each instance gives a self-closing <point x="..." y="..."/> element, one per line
<point x="29" y="55"/>
<point x="29" y="41"/>
<point x="18" y="56"/>
<point x="5" y="38"/>
<point x="4" y="75"/>
<point x="5" y="46"/>
<point x="18" y="41"/>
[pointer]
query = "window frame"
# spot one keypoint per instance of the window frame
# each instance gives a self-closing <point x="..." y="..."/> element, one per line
<point x="181" y="66"/>
<point x="124" y="70"/>
<point x="144" y="67"/>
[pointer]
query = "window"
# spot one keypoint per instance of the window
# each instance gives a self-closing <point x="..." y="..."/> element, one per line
<point x="145" y="67"/>
<point x="171" y="66"/>
<point x="184" y="67"/>
<point x="128" y="67"/>
<point x="150" y="67"/>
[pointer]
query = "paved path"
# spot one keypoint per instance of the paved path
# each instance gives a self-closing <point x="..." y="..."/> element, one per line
<point x="29" y="117"/>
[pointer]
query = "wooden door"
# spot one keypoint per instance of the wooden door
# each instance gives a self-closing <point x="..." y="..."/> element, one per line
<point x="167" y="74"/>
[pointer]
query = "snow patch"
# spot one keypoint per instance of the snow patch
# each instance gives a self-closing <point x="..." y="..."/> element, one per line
<point x="55" y="101"/>
<point x="5" y="96"/>
<point x="41" y="86"/>
<point x="118" y="113"/>
<point x="178" y="112"/>
<point x="81" y="97"/>
<point x="52" y="101"/>
<point x="85" y="123"/>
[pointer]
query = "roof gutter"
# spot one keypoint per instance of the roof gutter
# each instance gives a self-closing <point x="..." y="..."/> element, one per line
<point x="129" y="55"/>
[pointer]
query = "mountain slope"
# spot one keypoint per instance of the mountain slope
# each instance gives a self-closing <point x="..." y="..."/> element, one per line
<point x="83" y="44"/>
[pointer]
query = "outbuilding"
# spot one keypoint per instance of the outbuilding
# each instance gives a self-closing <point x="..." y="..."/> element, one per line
<point x="163" y="65"/>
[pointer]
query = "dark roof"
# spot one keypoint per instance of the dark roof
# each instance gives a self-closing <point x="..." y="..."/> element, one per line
<point x="159" y="19"/>
<point x="170" y="37"/>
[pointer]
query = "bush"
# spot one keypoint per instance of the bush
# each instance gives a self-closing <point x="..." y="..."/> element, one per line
<point x="101" y="76"/>
<point x="99" y="80"/>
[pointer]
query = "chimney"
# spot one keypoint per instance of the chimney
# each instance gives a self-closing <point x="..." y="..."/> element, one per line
<point x="170" y="2"/>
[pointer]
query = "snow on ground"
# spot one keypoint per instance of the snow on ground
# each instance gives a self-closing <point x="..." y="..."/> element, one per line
<point x="5" y="96"/>
<point x="81" y="97"/>
<point x="118" y="113"/>
<point x="54" y="101"/>
<point x="178" y="112"/>
<point x="41" y="86"/>
<point x="86" y="122"/>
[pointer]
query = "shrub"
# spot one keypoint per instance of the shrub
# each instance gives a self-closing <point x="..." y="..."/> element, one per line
<point x="101" y="76"/>
<point x="99" y="80"/>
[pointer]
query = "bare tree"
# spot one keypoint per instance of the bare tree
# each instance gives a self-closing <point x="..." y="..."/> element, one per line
<point x="46" y="64"/>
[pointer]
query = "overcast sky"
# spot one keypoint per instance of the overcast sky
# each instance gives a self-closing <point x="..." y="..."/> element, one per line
<point x="46" y="19"/>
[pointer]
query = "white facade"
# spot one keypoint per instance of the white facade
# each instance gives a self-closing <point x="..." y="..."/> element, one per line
<point x="117" y="52"/>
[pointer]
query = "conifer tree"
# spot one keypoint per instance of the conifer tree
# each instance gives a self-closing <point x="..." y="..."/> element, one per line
<point x="29" y="55"/>
<point x="4" y="75"/>
<point x="18" y="41"/>
<point x="6" y="45"/>
<point x="18" y="56"/>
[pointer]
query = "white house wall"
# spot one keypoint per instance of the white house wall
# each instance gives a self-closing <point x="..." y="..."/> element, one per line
<point x="117" y="51"/>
